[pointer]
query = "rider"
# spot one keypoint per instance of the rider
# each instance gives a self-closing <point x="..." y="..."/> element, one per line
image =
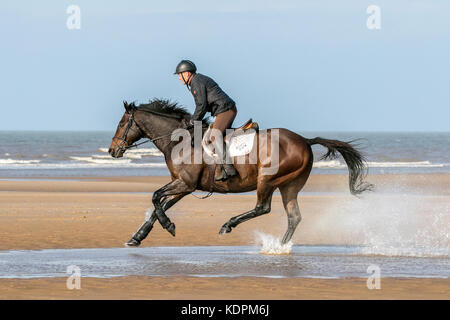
<point x="209" y="97"/>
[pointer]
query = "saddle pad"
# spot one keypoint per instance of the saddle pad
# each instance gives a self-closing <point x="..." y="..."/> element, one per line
<point x="241" y="143"/>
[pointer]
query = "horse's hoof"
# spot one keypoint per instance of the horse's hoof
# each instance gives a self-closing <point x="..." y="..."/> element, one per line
<point x="133" y="243"/>
<point x="171" y="229"/>
<point x="224" y="229"/>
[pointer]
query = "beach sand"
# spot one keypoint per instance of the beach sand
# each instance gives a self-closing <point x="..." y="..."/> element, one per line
<point x="104" y="212"/>
<point x="242" y="288"/>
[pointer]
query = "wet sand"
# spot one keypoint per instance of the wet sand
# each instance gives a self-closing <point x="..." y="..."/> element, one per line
<point x="105" y="212"/>
<point x="251" y="288"/>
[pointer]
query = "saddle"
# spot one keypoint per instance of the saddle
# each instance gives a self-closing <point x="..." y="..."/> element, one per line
<point x="211" y="171"/>
<point x="249" y="124"/>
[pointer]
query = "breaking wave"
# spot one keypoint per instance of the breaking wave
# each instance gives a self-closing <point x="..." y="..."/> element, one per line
<point x="142" y="152"/>
<point x="413" y="164"/>
<point x="14" y="161"/>
<point x="102" y="161"/>
<point x="83" y="164"/>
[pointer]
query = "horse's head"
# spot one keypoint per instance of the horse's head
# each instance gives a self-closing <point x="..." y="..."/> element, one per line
<point x="127" y="132"/>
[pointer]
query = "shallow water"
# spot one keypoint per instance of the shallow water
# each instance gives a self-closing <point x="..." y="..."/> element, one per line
<point x="219" y="261"/>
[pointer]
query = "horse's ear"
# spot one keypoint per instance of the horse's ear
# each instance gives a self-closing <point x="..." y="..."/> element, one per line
<point x="129" y="107"/>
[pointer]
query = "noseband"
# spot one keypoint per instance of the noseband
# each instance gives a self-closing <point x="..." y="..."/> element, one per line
<point x="125" y="147"/>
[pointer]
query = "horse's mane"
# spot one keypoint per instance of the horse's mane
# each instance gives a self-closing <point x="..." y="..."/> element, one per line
<point x="165" y="107"/>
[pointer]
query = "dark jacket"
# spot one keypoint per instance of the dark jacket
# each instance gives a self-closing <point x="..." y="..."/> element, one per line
<point x="208" y="97"/>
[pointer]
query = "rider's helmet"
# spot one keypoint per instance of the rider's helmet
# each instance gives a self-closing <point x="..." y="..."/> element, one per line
<point x="185" y="65"/>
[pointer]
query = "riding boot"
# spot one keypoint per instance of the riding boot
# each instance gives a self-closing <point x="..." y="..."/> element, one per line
<point x="226" y="170"/>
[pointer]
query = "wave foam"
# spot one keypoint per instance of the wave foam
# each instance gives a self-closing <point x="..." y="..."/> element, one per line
<point x="416" y="164"/>
<point x="14" y="161"/>
<point x="81" y="165"/>
<point x="328" y="164"/>
<point x="374" y="164"/>
<point x="101" y="161"/>
<point x="127" y="156"/>
<point x="138" y="153"/>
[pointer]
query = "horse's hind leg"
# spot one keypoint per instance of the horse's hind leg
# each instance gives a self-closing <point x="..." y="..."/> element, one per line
<point x="263" y="203"/>
<point x="289" y="194"/>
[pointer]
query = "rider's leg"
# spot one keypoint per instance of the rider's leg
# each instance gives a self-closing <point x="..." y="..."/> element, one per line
<point x="224" y="121"/>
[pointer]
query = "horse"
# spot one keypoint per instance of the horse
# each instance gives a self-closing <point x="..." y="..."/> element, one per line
<point x="158" y="119"/>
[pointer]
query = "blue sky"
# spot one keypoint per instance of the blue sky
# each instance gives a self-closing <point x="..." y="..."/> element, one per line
<point x="304" y="65"/>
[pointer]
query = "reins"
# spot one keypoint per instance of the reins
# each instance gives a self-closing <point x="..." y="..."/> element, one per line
<point x="204" y="197"/>
<point x="149" y="140"/>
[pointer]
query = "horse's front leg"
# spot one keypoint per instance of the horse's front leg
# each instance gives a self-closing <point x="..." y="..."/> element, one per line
<point x="147" y="226"/>
<point x="175" y="187"/>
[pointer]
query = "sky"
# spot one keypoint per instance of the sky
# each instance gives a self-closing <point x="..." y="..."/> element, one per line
<point x="310" y="65"/>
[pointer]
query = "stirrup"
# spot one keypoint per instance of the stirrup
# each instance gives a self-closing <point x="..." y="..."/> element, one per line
<point x="222" y="175"/>
<point x="225" y="175"/>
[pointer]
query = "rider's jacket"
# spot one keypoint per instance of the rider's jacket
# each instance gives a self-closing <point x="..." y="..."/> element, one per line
<point x="208" y="97"/>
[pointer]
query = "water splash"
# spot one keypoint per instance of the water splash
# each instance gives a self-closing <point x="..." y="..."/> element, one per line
<point x="272" y="245"/>
<point x="403" y="233"/>
<point x="396" y="224"/>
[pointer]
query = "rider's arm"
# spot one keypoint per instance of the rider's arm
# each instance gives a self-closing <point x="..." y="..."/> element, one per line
<point x="201" y="101"/>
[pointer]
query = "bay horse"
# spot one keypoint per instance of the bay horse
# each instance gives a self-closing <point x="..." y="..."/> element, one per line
<point x="158" y="120"/>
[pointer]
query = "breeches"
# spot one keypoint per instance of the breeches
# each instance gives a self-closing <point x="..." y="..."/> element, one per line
<point x="224" y="120"/>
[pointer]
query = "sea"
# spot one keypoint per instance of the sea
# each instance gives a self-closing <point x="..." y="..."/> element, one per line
<point x="41" y="154"/>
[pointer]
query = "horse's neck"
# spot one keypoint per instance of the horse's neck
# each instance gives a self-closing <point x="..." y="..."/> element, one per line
<point x="161" y="133"/>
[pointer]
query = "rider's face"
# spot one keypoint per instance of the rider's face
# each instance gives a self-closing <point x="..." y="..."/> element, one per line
<point x="186" y="76"/>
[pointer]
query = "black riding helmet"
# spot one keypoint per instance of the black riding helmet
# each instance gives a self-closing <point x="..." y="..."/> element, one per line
<point x="185" y="65"/>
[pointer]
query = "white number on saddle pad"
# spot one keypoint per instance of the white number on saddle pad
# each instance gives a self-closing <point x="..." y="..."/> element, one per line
<point x="241" y="143"/>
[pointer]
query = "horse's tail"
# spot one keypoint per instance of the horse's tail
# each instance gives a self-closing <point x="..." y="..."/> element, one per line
<point x="355" y="161"/>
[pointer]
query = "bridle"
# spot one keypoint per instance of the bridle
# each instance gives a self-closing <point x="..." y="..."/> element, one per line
<point x="125" y="147"/>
